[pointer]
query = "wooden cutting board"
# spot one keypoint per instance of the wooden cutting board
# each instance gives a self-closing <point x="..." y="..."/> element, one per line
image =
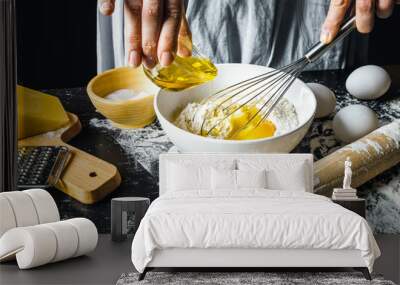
<point x="86" y="178"/>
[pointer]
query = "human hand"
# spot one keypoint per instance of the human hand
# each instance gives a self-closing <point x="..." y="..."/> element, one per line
<point x="152" y="29"/>
<point x="365" y="14"/>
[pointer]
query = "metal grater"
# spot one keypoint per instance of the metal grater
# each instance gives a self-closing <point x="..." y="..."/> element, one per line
<point x="41" y="166"/>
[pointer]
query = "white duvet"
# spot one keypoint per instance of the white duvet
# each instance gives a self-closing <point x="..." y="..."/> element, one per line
<point x="250" y="219"/>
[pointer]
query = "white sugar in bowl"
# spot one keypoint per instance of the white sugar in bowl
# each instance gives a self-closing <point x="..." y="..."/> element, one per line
<point x="125" y="96"/>
<point x="354" y="122"/>
<point x="368" y="82"/>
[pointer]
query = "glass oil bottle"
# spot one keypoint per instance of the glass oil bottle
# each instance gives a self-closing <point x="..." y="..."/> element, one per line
<point x="185" y="71"/>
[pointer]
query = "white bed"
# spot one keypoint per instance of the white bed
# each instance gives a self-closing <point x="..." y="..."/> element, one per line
<point x="197" y="222"/>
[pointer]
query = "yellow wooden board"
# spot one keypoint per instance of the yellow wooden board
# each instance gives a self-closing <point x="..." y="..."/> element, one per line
<point x="86" y="178"/>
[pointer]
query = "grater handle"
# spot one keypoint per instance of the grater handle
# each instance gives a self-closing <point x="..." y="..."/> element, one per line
<point x="320" y="48"/>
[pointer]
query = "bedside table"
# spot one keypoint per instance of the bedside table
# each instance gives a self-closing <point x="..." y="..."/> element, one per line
<point x="356" y="205"/>
<point x="126" y="214"/>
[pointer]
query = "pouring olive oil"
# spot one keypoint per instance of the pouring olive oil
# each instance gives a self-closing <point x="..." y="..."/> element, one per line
<point x="184" y="72"/>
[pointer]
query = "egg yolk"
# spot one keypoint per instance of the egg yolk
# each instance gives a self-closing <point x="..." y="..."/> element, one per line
<point x="255" y="129"/>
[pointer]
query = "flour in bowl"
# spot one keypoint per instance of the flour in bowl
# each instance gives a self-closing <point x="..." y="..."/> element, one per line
<point x="283" y="119"/>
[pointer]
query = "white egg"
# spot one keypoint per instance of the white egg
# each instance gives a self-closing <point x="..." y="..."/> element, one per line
<point x="368" y="82"/>
<point x="354" y="122"/>
<point x="326" y="100"/>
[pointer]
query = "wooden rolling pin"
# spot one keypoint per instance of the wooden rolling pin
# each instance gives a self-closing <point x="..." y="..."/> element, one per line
<point x="370" y="156"/>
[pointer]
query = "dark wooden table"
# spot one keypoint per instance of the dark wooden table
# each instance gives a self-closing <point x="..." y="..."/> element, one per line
<point x="138" y="181"/>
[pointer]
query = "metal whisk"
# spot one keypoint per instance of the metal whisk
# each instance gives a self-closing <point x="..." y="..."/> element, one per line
<point x="265" y="90"/>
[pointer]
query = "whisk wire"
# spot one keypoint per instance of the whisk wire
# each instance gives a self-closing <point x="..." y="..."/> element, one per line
<point x="289" y="78"/>
<point x="279" y="74"/>
<point x="284" y="90"/>
<point x="240" y="88"/>
<point x="267" y="88"/>
<point x="271" y="80"/>
<point x="255" y="79"/>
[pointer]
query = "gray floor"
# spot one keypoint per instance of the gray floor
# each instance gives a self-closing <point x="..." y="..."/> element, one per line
<point x="389" y="262"/>
<point x="110" y="260"/>
<point x="103" y="266"/>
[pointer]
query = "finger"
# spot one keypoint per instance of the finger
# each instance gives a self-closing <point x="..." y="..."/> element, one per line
<point x="169" y="32"/>
<point x="365" y="15"/>
<point x="334" y="19"/>
<point x="384" y="8"/>
<point x="106" y="7"/>
<point x="151" y="25"/>
<point x="184" y="38"/>
<point x="133" y="43"/>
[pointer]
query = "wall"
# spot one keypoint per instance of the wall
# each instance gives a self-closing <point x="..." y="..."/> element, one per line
<point x="56" y="43"/>
<point x="384" y="40"/>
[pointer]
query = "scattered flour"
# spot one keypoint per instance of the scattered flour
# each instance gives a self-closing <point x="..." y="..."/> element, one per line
<point x="392" y="131"/>
<point x="383" y="200"/>
<point x="143" y="145"/>
<point x="55" y="134"/>
<point x="376" y="146"/>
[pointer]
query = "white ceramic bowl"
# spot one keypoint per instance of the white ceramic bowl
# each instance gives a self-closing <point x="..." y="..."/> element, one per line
<point x="168" y="104"/>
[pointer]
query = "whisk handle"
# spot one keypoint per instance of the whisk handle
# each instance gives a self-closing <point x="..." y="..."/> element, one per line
<point x="320" y="48"/>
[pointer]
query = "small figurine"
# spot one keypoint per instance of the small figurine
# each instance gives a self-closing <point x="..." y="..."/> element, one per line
<point x="347" y="174"/>
<point x="347" y="192"/>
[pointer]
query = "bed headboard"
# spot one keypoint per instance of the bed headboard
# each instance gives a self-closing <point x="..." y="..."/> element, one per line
<point x="210" y="158"/>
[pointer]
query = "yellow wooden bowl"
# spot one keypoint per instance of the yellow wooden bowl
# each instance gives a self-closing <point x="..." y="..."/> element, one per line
<point x="132" y="113"/>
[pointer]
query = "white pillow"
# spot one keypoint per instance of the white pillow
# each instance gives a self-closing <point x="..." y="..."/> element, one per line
<point x="187" y="175"/>
<point x="226" y="179"/>
<point x="251" y="178"/>
<point x="182" y="177"/>
<point x="288" y="175"/>
<point x="223" y="179"/>
<point x="294" y="180"/>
